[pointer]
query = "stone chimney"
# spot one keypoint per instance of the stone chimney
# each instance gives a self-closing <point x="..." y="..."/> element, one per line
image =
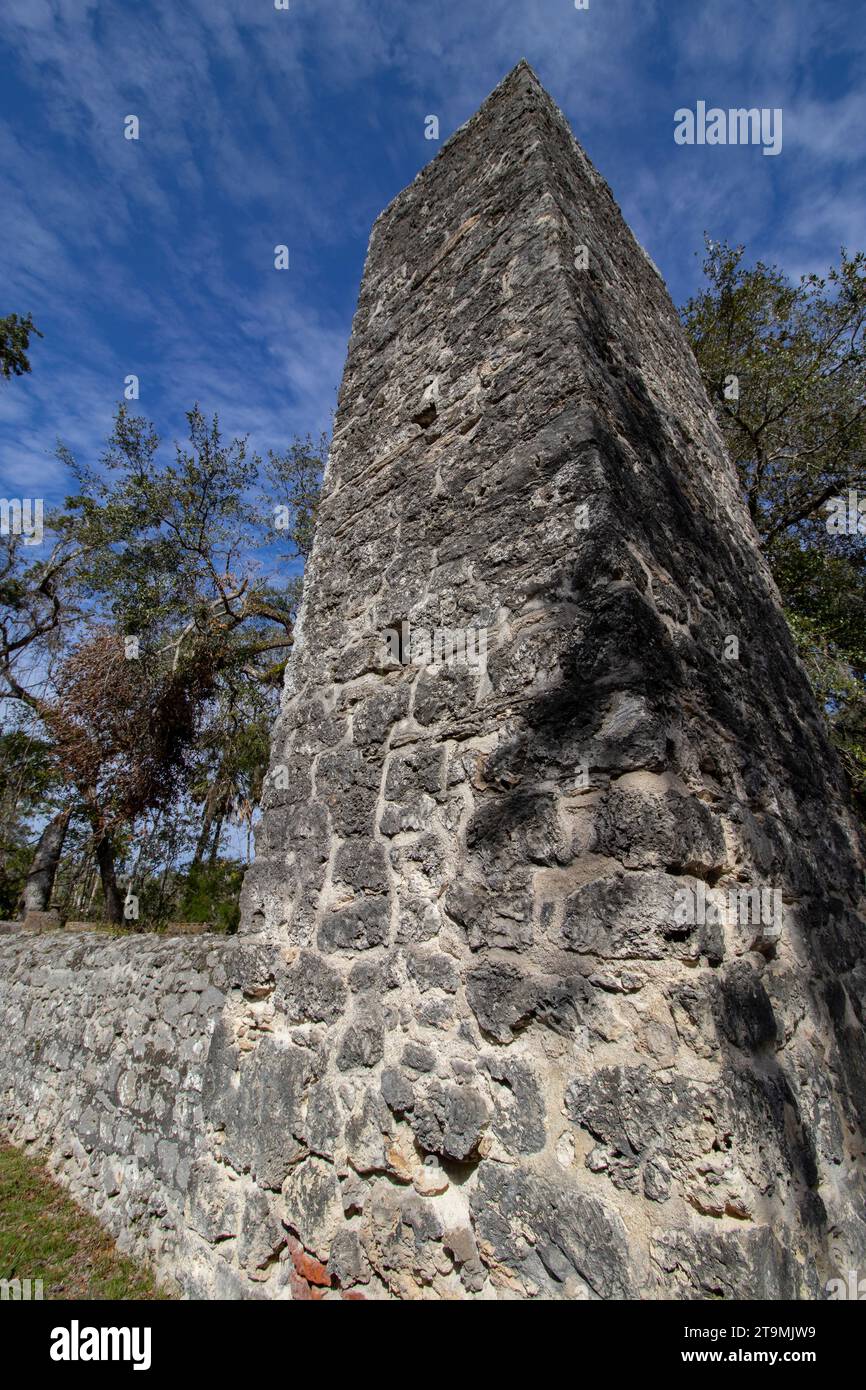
<point x="556" y="888"/>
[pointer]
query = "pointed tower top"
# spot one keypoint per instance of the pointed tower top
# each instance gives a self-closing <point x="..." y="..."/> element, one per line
<point x="522" y="66"/>
<point x="521" y="80"/>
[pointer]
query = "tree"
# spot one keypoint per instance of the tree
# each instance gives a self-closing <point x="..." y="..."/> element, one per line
<point x="236" y="744"/>
<point x="39" y="883"/>
<point x="184" y="574"/>
<point x="149" y="643"/>
<point x="785" y="367"/>
<point x="45" y="606"/>
<point x="234" y="752"/>
<point x="30" y="789"/>
<point x="121" y="730"/>
<point x="294" y="479"/>
<point x="15" y="336"/>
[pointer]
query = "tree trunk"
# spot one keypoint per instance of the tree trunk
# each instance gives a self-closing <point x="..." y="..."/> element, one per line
<point x="210" y="809"/>
<point x="217" y="836"/>
<point x="80" y="885"/>
<point x="160" y="902"/>
<point x="93" y="884"/>
<point x="205" y="833"/>
<point x="40" y="879"/>
<point x="107" y="877"/>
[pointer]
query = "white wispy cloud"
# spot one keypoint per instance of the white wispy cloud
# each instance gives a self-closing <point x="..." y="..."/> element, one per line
<point x="261" y="126"/>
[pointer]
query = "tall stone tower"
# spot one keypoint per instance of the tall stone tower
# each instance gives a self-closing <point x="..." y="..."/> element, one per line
<point x="560" y="924"/>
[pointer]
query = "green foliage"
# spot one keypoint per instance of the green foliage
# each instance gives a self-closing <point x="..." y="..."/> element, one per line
<point x="841" y="691"/>
<point x="210" y="893"/>
<point x="15" y="858"/>
<point x="15" y="336"/>
<point x="295" y="478"/>
<point x="797" y="434"/>
<point x="29" y="777"/>
<point x="29" y="788"/>
<point x="173" y="532"/>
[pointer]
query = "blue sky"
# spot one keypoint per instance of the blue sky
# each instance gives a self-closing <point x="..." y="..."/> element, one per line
<point x="260" y="127"/>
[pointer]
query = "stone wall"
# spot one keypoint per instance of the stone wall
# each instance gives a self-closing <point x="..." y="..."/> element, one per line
<point x="121" y="1066"/>
<point x="105" y="1041"/>
<point x="469" y="1046"/>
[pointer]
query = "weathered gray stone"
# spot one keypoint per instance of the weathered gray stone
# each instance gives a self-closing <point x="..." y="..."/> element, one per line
<point x="348" y="1263"/>
<point x="313" y="1207"/>
<point x="362" y="1043"/>
<point x="431" y="970"/>
<point x="579" y="1243"/>
<point x="397" y="1090"/>
<point x="625" y="917"/>
<point x="449" y="1120"/>
<point x="261" y="1236"/>
<point x="261" y="1114"/>
<point x="519" y="1111"/>
<point x="357" y="928"/>
<point x="418" y="1057"/>
<point x="744" y="1010"/>
<point x="361" y="864"/>
<point x="367" y="1130"/>
<point x="504" y="999"/>
<point x="312" y="992"/>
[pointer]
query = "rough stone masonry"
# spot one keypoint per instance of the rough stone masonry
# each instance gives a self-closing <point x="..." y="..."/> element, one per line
<point x="508" y="1015"/>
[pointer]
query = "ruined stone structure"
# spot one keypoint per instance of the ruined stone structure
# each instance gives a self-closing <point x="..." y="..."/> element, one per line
<point x="505" y="1017"/>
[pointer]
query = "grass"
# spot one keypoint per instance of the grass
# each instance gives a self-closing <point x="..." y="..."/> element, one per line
<point x="45" y="1235"/>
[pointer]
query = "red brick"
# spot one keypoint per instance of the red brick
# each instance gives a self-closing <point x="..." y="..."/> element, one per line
<point x="307" y="1266"/>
